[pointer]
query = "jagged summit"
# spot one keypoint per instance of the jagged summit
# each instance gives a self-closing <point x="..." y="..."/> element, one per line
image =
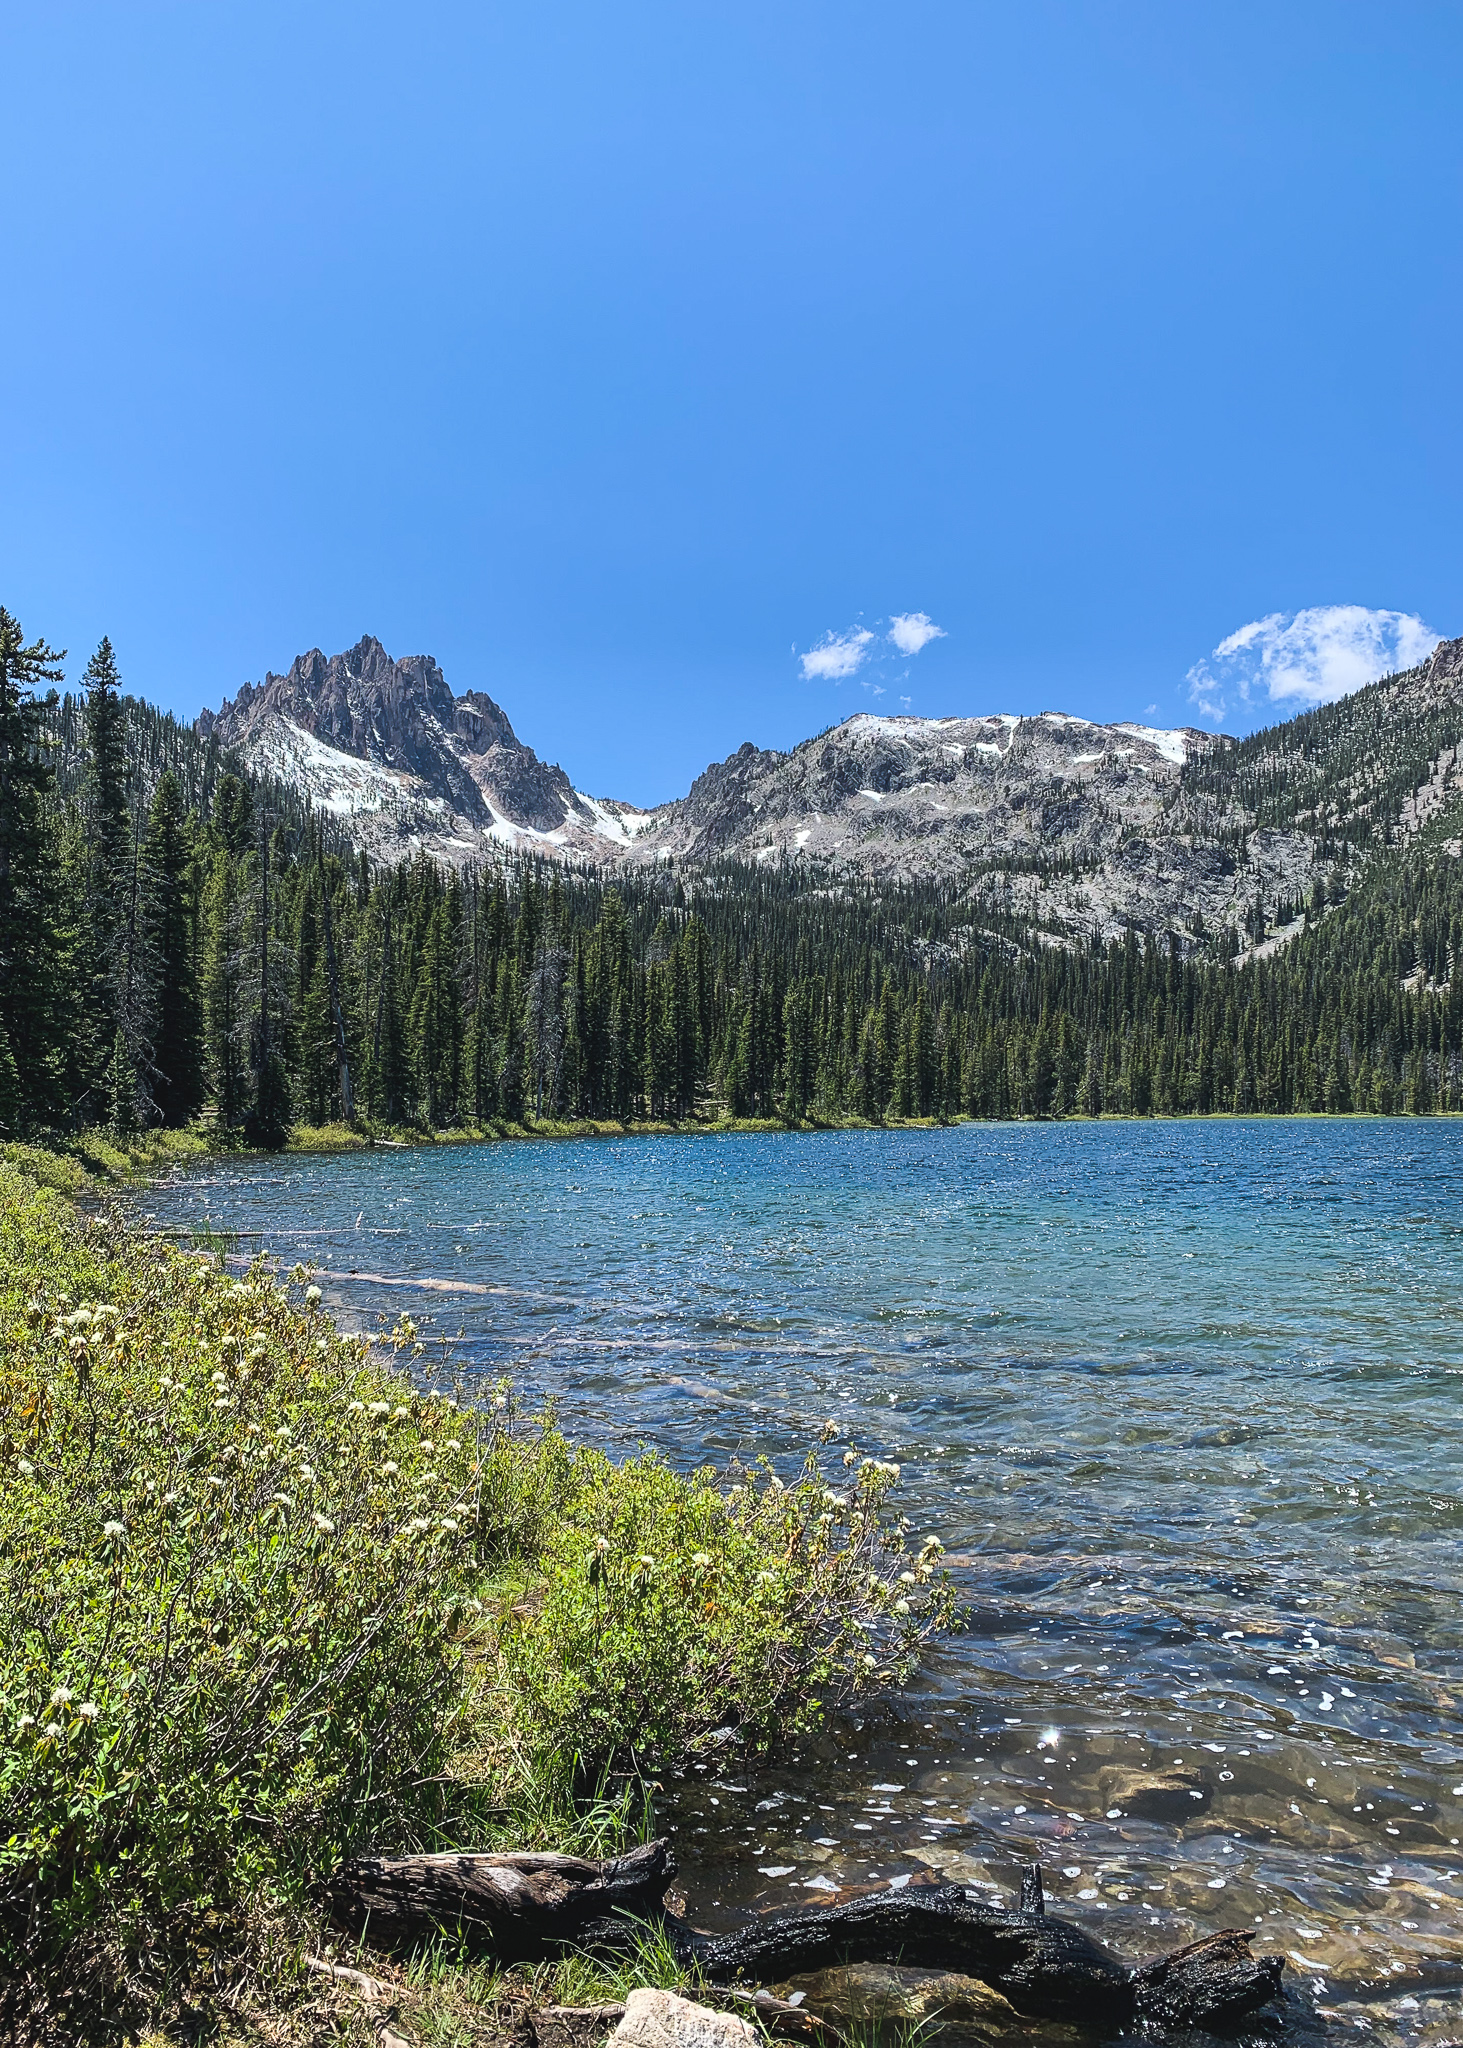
<point x="386" y="743"/>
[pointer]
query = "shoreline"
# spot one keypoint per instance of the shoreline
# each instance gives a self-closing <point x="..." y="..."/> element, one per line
<point x="136" y="1159"/>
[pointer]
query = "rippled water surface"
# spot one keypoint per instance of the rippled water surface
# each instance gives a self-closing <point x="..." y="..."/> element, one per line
<point x="1182" y="1401"/>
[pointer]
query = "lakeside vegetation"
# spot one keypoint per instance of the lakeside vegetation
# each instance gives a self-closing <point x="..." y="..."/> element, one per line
<point x="179" y="941"/>
<point x="269" y="1597"/>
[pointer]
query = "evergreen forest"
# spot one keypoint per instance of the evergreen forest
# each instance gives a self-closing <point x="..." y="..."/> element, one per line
<point x="179" y="940"/>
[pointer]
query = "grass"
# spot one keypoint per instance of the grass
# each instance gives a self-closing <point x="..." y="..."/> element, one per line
<point x="270" y="1596"/>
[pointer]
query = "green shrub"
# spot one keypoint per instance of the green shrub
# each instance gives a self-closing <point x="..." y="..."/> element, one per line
<point x="265" y="1599"/>
<point x="667" y="1601"/>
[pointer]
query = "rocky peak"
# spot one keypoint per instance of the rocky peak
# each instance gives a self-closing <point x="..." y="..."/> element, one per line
<point x="445" y="770"/>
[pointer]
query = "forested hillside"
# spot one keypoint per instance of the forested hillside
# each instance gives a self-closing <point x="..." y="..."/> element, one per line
<point x="178" y="939"/>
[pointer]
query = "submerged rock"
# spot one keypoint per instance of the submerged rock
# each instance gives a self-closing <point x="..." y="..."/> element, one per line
<point x="880" y="1991"/>
<point x="1173" y="1795"/>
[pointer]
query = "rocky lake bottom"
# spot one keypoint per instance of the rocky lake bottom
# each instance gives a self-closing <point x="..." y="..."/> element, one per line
<point x="1180" y="1399"/>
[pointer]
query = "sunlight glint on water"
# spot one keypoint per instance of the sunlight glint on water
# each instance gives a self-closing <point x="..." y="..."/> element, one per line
<point x="1180" y="1399"/>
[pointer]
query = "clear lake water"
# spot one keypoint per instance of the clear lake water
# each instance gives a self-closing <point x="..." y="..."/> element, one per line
<point x="1181" y="1399"/>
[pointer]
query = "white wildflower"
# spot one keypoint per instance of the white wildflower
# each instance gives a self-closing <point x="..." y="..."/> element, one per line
<point x="701" y="1560"/>
<point x="356" y="1408"/>
<point x="25" y="1721"/>
<point x="324" y="1524"/>
<point x="454" y="1443"/>
<point x="114" y="1529"/>
<point x="312" y="1297"/>
<point x="307" y="1471"/>
<point x="428" y="1446"/>
<point x="24" y="1467"/>
<point x="62" y="1696"/>
<point x="53" y="1731"/>
<point x="88" y="1710"/>
<point x="390" y="1469"/>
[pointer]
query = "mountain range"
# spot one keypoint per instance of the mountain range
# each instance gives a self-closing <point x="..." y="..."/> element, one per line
<point x="1068" y="828"/>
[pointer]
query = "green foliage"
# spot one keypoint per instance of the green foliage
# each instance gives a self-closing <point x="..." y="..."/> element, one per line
<point x="265" y="1599"/>
<point x="663" y="1594"/>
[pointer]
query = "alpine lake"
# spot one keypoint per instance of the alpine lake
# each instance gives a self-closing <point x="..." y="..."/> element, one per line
<point x="1181" y="1400"/>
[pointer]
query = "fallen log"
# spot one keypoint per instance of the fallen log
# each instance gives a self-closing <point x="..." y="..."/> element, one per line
<point x="525" y="1907"/>
<point x="1044" y="1966"/>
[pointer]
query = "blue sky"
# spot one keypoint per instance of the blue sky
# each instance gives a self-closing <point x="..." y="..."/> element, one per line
<point x="621" y="357"/>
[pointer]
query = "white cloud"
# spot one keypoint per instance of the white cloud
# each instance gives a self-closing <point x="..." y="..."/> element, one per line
<point x="912" y="630"/>
<point x="837" y="655"/>
<point x="1296" y="659"/>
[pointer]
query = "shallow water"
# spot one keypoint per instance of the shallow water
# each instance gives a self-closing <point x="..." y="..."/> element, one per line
<point x="1181" y="1399"/>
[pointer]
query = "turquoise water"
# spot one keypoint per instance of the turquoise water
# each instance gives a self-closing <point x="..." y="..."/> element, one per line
<point x="1182" y="1401"/>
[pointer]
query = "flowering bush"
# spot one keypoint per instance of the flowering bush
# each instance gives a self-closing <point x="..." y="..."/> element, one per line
<point x="265" y="1599"/>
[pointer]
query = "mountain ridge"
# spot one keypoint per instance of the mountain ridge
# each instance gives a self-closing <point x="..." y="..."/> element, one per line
<point x="1071" y="828"/>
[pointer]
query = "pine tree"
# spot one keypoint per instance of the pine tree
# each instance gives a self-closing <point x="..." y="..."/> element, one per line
<point x="267" y="1122"/>
<point x="117" y="1057"/>
<point x="32" y="1025"/>
<point x="168" y="889"/>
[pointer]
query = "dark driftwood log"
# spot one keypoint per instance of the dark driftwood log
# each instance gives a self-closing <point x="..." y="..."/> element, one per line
<point x="1215" y="1983"/>
<point x="522" y="1906"/>
<point x="525" y="1907"/>
<point x="1046" y="1967"/>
